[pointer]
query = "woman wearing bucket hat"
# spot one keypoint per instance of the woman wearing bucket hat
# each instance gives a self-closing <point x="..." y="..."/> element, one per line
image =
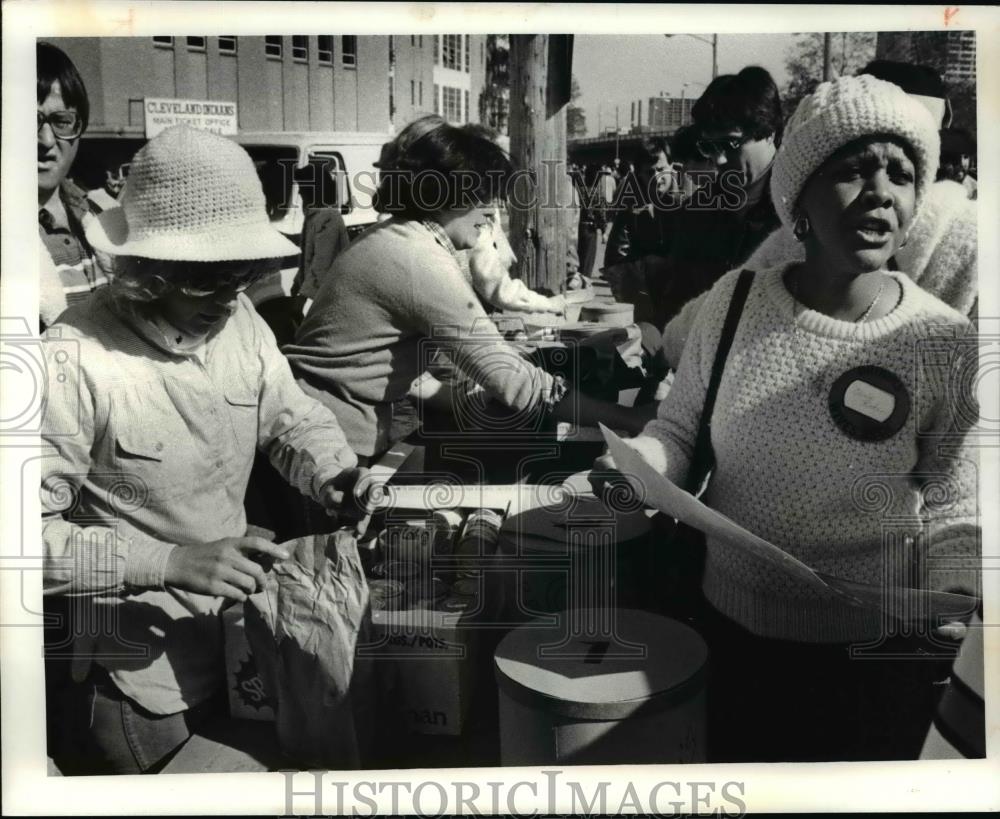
<point x="160" y="390"/>
<point x="828" y="429"/>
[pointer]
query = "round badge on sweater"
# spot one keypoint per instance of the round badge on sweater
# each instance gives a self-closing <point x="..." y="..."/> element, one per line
<point x="869" y="403"/>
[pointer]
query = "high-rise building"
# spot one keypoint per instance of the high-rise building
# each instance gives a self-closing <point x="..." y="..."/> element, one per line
<point x="662" y="113"/>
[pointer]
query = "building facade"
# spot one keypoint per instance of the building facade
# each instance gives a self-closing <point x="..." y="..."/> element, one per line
<point x="437" y="74"/>
<point x="278" y="82"/>
<point x="952" y="53"/>
<point x="285" y="82"/>
<point x="661" y="113"/>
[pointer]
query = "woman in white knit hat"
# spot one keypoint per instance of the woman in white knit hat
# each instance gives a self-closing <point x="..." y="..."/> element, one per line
<point x="172" y="383"/>
<point x="828" y="430"/>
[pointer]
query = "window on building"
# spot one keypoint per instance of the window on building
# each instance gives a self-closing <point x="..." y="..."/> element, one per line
<point x="163" y="42"/>
<point x="196" y="43"/>
<point x="482" y="53"/>
<point x="420" y="41"/>
<point x="468" y="116"/>
<point x="227" y="44"/>
<point x="300" y="48"/>
<point x="437" y="99"/>
<point x="272" y="46"/>
<point x="451" y="102"/>
<point x="468" y="48"/>
<point x="451" y="51"/>
<point x="324" y="49"/>
<point x="421" y="92"/>
<point x="413" y="39"/>
<point x="437" y="49"/>
<point x="413" y="92"/>
<point x="349" y="50"/>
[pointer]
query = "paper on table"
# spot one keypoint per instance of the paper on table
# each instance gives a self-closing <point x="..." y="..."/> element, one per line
<point x="905" y="604"/>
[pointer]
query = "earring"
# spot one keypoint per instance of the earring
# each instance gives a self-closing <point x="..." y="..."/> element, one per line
<point x="801" y="228"/>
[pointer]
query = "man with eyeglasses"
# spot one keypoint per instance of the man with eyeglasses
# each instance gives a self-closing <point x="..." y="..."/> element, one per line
<point x="738" y="123"/>
<point x="71" y="270"/>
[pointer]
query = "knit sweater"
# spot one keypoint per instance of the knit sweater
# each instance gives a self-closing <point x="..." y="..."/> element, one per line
<point x="941" y="255"/>
<point x="371" y="329"/>
<point x="786" y="471"/>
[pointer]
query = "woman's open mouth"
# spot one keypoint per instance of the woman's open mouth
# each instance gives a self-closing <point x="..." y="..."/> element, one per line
<point x="873" y="231"/>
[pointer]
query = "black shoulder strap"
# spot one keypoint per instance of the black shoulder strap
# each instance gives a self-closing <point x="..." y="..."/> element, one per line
<point x="703" y="459"/>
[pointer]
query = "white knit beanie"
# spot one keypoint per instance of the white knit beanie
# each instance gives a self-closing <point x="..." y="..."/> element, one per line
<point x="839" y="112"/>
<point x="191" y="196"/>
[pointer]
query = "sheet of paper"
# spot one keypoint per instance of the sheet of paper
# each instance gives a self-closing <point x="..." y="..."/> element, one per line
<point x="448" y="496"/>
<point x="670" y="499"/>
<point x="934" y="607"/>
<point x="903" y="604"/>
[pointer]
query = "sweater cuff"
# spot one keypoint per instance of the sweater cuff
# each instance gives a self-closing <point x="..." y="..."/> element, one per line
<point x="146" y="564"/>
<point x="954" y="565"/>
<point x="652" y="451"/>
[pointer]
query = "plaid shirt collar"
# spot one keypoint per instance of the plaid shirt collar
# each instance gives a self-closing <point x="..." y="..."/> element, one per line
<point x="440" y="236"/>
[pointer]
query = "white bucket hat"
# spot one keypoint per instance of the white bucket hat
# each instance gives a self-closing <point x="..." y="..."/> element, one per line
<point x="191" y="196"/>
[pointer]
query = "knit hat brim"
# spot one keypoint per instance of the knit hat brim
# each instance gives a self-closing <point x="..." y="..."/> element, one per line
<point x="109" y="232"/>
<point x="836" y="114"/>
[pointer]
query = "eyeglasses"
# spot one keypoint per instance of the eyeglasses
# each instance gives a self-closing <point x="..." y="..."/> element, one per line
<point x="711" y="148"/>
<point x="238" y="283"/>
<point x="64" y="124"/>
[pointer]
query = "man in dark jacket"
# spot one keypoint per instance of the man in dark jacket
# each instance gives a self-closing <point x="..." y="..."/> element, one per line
<point x="739" y="126"/>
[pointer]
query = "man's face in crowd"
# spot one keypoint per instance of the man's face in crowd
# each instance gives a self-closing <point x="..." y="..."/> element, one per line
<point x="729" y="149"/>
<point x="663" y="173"/>
<point x="55" y="156"/>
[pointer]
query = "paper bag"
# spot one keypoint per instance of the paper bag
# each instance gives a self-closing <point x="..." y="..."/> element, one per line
<point x="303" y="629"/>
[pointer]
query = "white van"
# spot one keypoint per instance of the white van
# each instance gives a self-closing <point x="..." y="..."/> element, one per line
<point x="290" y="165"/>
<point x="287" y="160"/>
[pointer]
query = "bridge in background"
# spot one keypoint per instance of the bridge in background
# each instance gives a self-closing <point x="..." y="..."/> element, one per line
<point x="603" y="149"/>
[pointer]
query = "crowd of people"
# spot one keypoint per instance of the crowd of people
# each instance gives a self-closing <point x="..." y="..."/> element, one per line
<point x="822" y="251"/>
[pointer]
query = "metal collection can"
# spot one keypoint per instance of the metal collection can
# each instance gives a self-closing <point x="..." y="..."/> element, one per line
<point x="445" y="524"/>
<point x="398" y="570"/>
<point x="480" y="536"/>
<point x="410" y="541"/>
<point x="385" y="594"/>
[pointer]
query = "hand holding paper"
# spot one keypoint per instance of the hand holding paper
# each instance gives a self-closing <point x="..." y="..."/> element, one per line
<point x="659" y="493"/>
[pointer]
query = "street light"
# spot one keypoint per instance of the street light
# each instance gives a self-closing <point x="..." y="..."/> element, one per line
<point x="714" y="42"/>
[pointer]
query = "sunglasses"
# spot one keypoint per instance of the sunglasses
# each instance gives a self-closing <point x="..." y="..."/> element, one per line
<point x="236" y="284"/>
<point x="711" y="148"/>
<point x="64" y="124"/>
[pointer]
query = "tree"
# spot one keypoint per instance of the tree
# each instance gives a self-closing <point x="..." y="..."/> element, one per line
<point x="849" y="53"/>
<point x="494" y="101"/>
<point x="576" y="117"/>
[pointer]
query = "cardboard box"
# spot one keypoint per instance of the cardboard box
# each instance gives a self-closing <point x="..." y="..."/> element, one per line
<point x="247" y="698"/>
<point x="426" y="657"/>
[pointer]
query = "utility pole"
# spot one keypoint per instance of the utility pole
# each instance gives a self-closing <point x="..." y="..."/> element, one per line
<point x="617" y="132"/>
<point x="827" y="72"/>
<point x="539" y="92"/>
